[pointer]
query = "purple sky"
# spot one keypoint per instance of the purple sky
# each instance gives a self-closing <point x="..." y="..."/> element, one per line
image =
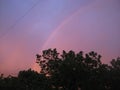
<point x="63" y="24"/>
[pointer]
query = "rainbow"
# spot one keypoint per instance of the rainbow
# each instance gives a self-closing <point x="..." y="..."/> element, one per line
<point x="79" y="11"/>
<point x="68" y="19"/>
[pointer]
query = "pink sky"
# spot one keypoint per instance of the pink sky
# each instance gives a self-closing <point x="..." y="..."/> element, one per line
<point x="63" y="24"/>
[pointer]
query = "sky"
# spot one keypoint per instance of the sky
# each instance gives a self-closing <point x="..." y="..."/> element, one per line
<point x="29" y="26"/>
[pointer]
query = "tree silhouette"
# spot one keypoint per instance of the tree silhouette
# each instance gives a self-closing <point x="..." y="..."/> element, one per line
<point x="66" y="71"/>
<point x="115" y="74"/>
<point x="9" y="82"/>
<point x="26" y="80"/>
<point x="70" y="70"/>
<point x="31" y="80"/>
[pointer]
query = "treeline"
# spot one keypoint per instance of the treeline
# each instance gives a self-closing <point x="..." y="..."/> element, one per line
<point x="66" y="71"/>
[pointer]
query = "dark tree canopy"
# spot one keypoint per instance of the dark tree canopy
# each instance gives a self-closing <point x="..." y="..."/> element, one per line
<point x="26" y="80"/>
<point x="70" y="70"/>
<point x="66" y="71"/>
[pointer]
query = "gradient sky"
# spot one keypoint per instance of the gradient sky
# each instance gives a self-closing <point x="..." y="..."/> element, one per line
<point x="26" y="28"/>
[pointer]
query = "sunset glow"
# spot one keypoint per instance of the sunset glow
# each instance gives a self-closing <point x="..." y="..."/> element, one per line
<point x="27" y="28"/>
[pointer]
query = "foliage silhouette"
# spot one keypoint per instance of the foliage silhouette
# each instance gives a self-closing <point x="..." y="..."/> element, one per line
<point x="26" y="80"/>
<point x="70" y="70"/>
<point x="66" y="71"/>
